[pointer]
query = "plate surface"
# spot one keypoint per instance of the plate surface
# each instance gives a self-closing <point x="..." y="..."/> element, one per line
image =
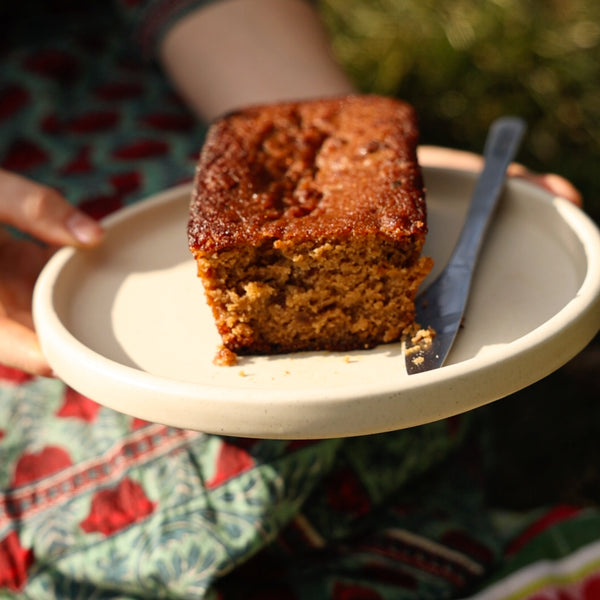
<point x="127" y="325"/>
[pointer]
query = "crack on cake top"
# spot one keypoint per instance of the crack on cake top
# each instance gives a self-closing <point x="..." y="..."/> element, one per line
<point x="285" y="167"/>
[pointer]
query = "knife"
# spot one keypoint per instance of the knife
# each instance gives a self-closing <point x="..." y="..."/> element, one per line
<point x="441" y="306"/>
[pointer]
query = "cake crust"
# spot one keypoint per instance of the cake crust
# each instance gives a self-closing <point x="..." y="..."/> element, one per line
<point x="326" y="169"/>
<point x="307" y="222"/>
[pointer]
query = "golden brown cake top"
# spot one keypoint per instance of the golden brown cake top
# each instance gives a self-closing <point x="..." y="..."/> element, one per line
<point x="323" y="169"/>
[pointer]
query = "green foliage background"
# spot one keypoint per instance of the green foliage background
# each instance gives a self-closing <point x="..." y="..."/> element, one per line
<point x="464" y="62"/>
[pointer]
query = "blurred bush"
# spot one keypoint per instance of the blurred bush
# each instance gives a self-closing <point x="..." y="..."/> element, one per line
<point x="464" y="62"/>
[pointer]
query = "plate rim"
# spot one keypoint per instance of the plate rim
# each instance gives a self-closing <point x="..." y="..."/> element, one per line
<point x="585" y="304"/>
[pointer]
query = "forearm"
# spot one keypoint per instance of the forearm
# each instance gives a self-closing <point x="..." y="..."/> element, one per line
<point x="239" y="52"/>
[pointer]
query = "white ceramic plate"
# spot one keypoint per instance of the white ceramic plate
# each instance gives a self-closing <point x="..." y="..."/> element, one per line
<point x="127" y="325"/>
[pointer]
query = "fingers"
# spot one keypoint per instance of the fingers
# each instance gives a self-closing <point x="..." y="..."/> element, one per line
<point x="561" y="187"/>
<point x="43" y="213"/>
<point x="20" y="349"/>
<point x="557" y="185"/>
<point x="20" y="263"/>
<point x="457" y="159"/>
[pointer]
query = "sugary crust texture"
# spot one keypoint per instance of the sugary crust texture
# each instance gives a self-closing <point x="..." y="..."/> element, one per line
<point x="324" y="169"/>
<point x="307" y="222"/>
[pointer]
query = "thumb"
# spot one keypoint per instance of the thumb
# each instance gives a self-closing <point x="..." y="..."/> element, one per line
<point x="20" y="349"/>
<point x="43" y="213"/>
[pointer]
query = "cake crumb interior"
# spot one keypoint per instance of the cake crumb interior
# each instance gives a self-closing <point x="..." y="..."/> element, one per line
<point x="282" y="297"/>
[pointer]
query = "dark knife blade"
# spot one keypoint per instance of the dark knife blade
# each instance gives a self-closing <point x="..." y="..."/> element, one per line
<point x="442" y="305"/>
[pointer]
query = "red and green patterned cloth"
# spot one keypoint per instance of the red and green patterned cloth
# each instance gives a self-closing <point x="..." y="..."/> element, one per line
<point x="98" y="505"/>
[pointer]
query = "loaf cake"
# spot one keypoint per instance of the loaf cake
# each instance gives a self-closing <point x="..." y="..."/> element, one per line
<point x="307" y="222"/>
